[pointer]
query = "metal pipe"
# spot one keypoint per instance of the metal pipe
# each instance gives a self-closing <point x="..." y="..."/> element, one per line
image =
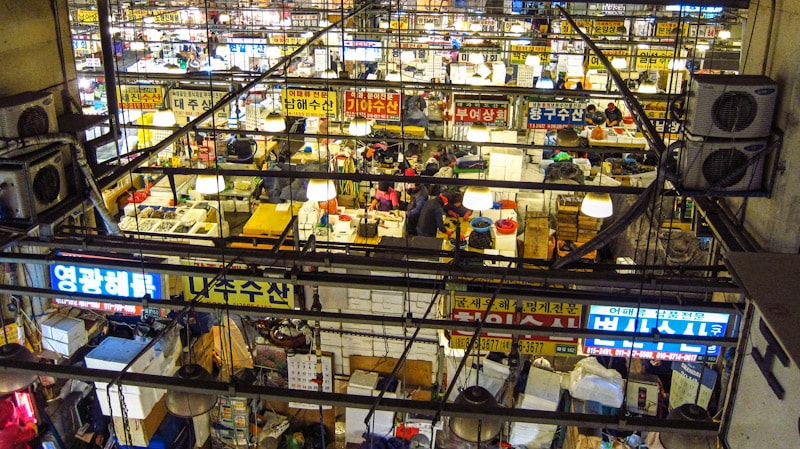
<point x="110" y="76"/>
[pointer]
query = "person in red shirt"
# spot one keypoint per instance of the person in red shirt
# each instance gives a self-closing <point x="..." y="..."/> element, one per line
<point x="386" y="198"/>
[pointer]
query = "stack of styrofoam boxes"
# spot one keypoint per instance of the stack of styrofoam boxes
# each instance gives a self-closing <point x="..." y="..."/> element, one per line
<point x="584" y="164"/>
<point x="542" y="392"/>
<point x="63" y="334"/>
<point x="363" y="383"/>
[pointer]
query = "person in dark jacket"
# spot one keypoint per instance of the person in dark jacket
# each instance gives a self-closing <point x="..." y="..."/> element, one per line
<point x="418" y="195"/>
<point x="431" y="218"/>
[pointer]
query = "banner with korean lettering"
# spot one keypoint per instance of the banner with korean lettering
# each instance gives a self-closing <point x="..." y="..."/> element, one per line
<point x="372" y="105"/>
<point x="519" y="53"/>
<point x="653" y="59"/>
<point x="473" y="308"/>
<point x="239" y="292"/>
<point x="666" y="29"/>
<point x="87" y="16"/>
<point x="608" y="27"/>
<point x="549" y="314"/>
<point x="491" y="113"/>
<point x="666" y="322"/>
<point x="309" y="103"/>
<point x="566" y="27"/>
<point x="554" y="114"/>
<point x="594" y="60"/>
<point x="189" y="103"/>
<point x="140" y="97"/>
<point x="490" y="54"/>
<point x="659" y="114"/>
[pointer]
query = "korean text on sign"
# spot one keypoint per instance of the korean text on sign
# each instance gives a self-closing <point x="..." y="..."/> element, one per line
<point x="665" y="321"/>
<point x="471" y="309"/>
<point x="554" y="115"/>
<point x="308" y="103"/>
<point x="372" y="105"/>
<point x="549" y="314"/>
<point x="102" y="281"/>
<point x="240" y="292"/>
<point x="473" y="112"/>
<point x="187" y="103"/>
<point x="140" y="97"/>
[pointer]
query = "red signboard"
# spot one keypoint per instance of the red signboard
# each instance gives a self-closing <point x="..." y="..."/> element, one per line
<point x="372" y="105"/>
<point x="475" y="111"/>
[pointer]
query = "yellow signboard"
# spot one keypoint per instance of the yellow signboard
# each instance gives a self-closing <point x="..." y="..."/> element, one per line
<point x="666" y="29"/>
<point x="594" y="61"/>
<point x="238" y="292"/>
<point x="650" y="59"/>
<point x="566" y="28"/>
<point x="87" y="16"/>
<point x="140" y="97"/>
<point x="308" y="103"/>
<point x="520" y="52"/>
<point x="549" y="314"/>
<point x="189" y="103"/>
<point x="608" y="27"/>
<point x="472" y="308"/>
<point x="165" y="17"/>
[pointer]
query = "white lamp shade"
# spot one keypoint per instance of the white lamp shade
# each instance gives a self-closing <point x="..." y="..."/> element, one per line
<point x="359" y="126"/>
<point x="478" y="132"/>
<point x="483" y="70"/>
<point x="478" y="198"/>
<point x="597" y="205"/>
<point x="328" y="75"/>
<point x="137" y="46"/>
<point x="186" y="404"/>
<point x="320" y="190"/>
<point x="224" y="18"/>
<point x="273" y="52"/>
<point x="429" y="26"/>
<point x="11" y="382"/>
<point x="476" y="58"/>
<point x="544" y="83"/>
<point x="533" y="60"/>
<point x="407" y="56"/>
<point x="517" y="28"/>
<point x="619" y="63"/>
<point x="724" y="34"/>
<point x="274" y="123"/>
<point x="394" y="77"/>
<point x="677" y="64"/>
<point x="209" y="184"/>
<point x="164" y="117"/>
<point x="648" y="87"/>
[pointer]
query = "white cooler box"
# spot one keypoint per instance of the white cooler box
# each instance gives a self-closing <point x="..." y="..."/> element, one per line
<point x="113" y="354"/>
<point x="363" y="383"/>
<point x="63" y="334"/>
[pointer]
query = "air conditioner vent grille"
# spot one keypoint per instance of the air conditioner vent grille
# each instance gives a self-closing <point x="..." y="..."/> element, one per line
<point x="734" y="111"/>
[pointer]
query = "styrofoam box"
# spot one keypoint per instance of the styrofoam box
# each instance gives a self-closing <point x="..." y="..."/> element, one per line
<point x="65" y="348"/>
<point x="542" y="391"/>
<point x="363" y="383"/>
<point x="64" y="329"/>
<point x="504" y="242"/>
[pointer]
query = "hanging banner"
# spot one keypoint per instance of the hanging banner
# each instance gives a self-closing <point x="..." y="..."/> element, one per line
<point x="238" y="292"/>
<point x="189" y="103"/>
<point x="594" y="60"/>
<point x="308" y="103"/>
<point x="87" y="16"/>
<point x="666" y="322"/>
<point x="608" y="27"/>
<point x="549" y="314"/>
<point x="372" y="105"/>
<point x="533" y="313"/>
<point x="653" y="59"/>
<point x="566" y="28"/>
<point x="520" y="52"/>
<point x="554" y="115"/>
<point x="105" y="281"/>
<point x="490" y="113"/>
<point x="140" y="97"/>
<point x="490" y="54"/>
<point x="666" y="29"/>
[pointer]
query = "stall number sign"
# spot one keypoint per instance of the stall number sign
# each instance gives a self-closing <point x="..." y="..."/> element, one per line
<point x="665" y="321"/>
<point x="534" y="313"/>
<point x="554" y="115"/>
<point x="87" y="16"/>
<point x="549" y="314"/>
<point x="650" y="59"/>
<point x="608" y="27"/>
<point x="493" y="114"/>
<point x="104" y="281"/>
<point x="372" y="105"/>
<point x="520" y="52"/>
<point x="187" y="104"/>
<point x="237" y="292"/>
<point x="308" y="103"/>
<point x="140" y="97"/>
<point x="594" y="60"/>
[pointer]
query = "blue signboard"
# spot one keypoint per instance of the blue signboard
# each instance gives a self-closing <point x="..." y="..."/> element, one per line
<point x="105" y="281"/>
<point x="555" y="114"/>
<point x="666" y="322"/>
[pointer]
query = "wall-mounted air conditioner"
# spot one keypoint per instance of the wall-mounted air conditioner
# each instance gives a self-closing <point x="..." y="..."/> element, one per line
<point x="722" y="165"/>
<point x="33" y="183"/>
<point x="28" y="114"/>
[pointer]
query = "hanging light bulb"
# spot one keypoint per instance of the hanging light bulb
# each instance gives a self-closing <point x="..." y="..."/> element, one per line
<point x="483" y="70"/>
<point x="274" y="123"/>
<point x="164" y="117"/>
<point x="478" y="133"/>
<point x="702" y="47"/>
<point x="224" y="18"/>
<point x="407" y="56"/>
<point x="597" y="205"/>
<point x="359" y="126"/>
<point x="724" y="34"/>
<point x="475" y="27"/>
<point x="188" y="405"/>
<point x="533" y="60"/>
<point x="517" y="28"/>
<point x="544" y="83"/>
<point x="676" y="64"/>
<point x="137" y="46"/>
<point x="209" y="184"/>
<point x="394" y="77"/>
<point x="476" y="58"/>
<point x="478" y="198"/>
<point x="429" y="26"/>
<point x="320" y="190"/>
<point x="273" y="52"/>
<point x="383" y="25"/>
<point x="647" y="87"/>
<point x="11" y="382"/>
<point x="619" y="63"/>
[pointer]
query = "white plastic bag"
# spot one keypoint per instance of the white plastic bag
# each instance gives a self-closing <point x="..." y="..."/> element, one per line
<point x="590" y="381"/>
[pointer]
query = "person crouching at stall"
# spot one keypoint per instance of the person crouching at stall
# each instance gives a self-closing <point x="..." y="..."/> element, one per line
<point x="418" y="196"/>
<point x="431" y="217"/>
<point x="386" y="198"/>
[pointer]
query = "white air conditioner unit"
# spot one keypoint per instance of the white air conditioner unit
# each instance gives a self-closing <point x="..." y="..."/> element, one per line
<point x="28" y="114"/>
<point x="731" y="106"/>
<point x="722" y="166"/>
<point x="33" y="183"/>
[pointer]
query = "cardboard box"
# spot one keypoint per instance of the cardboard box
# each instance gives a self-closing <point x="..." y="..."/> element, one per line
<point x="64" y="329"/>
<point x="141" y="430"/>
<point x="582" y="439"/>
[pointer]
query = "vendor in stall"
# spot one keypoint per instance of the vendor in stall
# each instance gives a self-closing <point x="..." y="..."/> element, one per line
<point x="418" y="196"/>
<point x="431" y="217"/>
<point x="455" y="207"/>
<point x="613" y="115"/>
<point x="386" y="198"/>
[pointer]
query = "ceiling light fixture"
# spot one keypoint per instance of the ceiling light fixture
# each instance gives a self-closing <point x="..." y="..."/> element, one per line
<point x="359" y="127"/>
<point x="320" y="190"/>
<point x="597" y="205"/>
<point x="478" y="198"/>
<point x="274" y="123"/>
<point x="11" y="382"/>
<point x="209" y="184"/>
<point x="478" y="133"/>
<point x="185" y="404"/>
<point x="724" y="34"/>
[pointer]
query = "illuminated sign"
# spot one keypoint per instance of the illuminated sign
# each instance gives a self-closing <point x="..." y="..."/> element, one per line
<point x="308" y="103"/>
<point x="566" y="28"/>
<point x="87" y="16"/>
<point x="189" y="103"/>
<point x="608" y="27"/>
<point x="125" y="309"/>
<point x="532" y="313"/>
<point x="520" y="52"/>
<point x="666" y="322"/>
<point x="362" y="50"/>
<point x="372" y="105"/>
<point x="554" y="115"/>
<point x="594" y="60"/>
<point x="467" y="111"/>
<point x="140" y="97"/>
<point x="653" y="59"/>
<point x="105" y="281"/>
<point x="239" y="292"/>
